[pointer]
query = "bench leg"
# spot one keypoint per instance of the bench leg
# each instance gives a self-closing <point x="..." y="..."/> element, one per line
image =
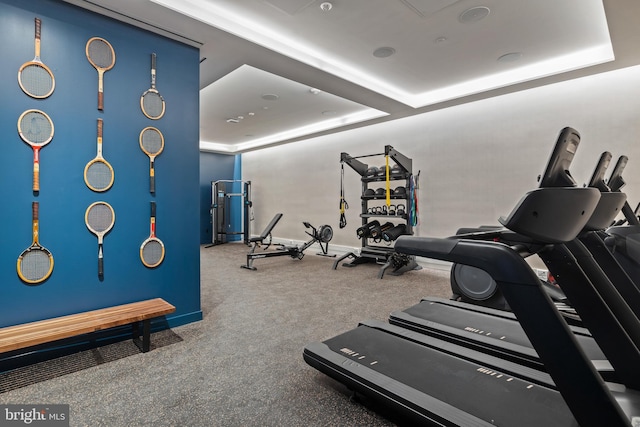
<point x="145" y="343"/>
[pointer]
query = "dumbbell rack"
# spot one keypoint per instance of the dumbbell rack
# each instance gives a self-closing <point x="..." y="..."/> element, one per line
<point x="381" y="253"/>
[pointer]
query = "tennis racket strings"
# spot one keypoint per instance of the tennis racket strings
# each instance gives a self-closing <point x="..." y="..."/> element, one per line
<point x="100" y="218"/>
<point x="151" y="141"/>
<point x="152" y="252"/>
<point x="100" y="53"/>
<point x="35" y="266"/>
<point x="99" y="176"/>
<point x="36" y="81"/>
<point x="35" y="127"/>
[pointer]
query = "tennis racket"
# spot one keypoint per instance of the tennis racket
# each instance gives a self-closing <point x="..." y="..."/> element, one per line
<point x="36" y="129"/>
<point x="152" y="143"/>
<point x="102" y="57"/>
<point x="100" y="218"/>
<point x="35" y="78"/>
<point x="35" y="263"/>
<point x="151" y="102"/>
<point x="98" y="173"/>
<point x="152" y="249"/>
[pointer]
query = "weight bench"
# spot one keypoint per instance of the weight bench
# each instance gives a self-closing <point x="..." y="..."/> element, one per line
<point x="43" y="331"/>
<point x="258" y="241"/>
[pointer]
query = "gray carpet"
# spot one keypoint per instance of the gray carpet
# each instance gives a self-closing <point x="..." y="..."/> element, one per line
<point x="240" y="366"/>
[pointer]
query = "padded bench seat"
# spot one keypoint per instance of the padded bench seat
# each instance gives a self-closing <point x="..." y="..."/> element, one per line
<point x="48" y="330"/>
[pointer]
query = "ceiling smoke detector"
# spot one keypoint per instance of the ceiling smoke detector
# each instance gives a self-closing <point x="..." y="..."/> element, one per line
<point x="270" y="97"/>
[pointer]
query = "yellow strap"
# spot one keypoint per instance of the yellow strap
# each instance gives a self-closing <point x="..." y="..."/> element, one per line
<point x="388" y="183"/>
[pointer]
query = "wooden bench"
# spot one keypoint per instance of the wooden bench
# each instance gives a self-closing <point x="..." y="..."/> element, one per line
<point x="43" y="331"/>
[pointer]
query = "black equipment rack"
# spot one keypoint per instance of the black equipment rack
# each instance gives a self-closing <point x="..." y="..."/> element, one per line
<point x="380" y="253"/>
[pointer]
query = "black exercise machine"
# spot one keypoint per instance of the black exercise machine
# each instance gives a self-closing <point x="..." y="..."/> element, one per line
<point x="441" y="382"/>
<point x="321" y="235"/>
<point x="497" y="332"/>
<point x="623" y="238"/>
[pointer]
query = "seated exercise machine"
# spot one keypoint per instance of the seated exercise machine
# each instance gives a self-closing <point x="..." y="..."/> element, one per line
<point x="322" y="235"/>
<point x="436" y="380"/>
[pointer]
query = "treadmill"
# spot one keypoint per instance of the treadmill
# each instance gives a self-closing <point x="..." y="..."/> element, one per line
<point x="438" y="382"/>
<point x="498" y="332"/>
<point x="624" y="240"/>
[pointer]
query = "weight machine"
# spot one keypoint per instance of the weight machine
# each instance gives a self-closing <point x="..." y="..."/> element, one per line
<point x="223" y="210"/>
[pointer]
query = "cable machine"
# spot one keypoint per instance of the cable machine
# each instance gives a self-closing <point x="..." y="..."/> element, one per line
<point x="224" y="210"/>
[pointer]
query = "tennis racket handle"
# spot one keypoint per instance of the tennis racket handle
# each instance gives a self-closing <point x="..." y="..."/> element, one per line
<point x="100" y="100"/>
<point x="152" y="183"/>
<point x="100" y="263"/>
<point x="35" y="208"/>
<point x="38" y="28"/>
<point x="153" y="209"/>
<point x="36" y="177"/>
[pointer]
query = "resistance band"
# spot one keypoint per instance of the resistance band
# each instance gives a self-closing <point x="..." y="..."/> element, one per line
<point x="343" y="203"/>
<point x="414" y="213"/>
<point x="388" y="183"/>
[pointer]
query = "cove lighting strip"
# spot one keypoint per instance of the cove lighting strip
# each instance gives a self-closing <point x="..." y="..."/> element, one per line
<point x="293" y="133"/>
<point x="232" y="22"/>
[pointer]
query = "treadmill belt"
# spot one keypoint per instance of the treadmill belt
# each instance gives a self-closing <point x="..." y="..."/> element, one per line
<point x="379" y="359"/>
<point x="496" y="332"/>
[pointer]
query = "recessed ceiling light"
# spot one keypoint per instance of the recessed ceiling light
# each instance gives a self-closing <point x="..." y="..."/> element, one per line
<point x="270" y="97"/>
<point x="440" y="39"/>
<point x="384" y="52"/>
<point x="233" y="120"/>
<point x="315" y="91"/>
<point x="474" y="14"/>
<point x="326" y="6"/>
<point x="510" y="57"/>
<point x="329" y="113"/>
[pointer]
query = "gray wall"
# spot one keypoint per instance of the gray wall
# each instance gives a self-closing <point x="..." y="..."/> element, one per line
<point x="476" y="160"/>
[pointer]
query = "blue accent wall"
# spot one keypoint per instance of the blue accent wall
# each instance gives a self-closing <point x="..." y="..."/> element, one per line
<point x="74" y="285"/>
<point x="213" y="167"/>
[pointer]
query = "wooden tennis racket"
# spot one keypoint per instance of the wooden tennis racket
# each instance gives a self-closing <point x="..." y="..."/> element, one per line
<point x="102" y="57"/>
<point x="151" y="102"/>
<point x="35" y="263"/>
<point x="98" y="173"/>
<point x="36" y="129"/>
<point x="152" y="249"/>
<point x="100" y="218"/>
<point x="35" y="78"/>
<point x="152" y="144"/>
